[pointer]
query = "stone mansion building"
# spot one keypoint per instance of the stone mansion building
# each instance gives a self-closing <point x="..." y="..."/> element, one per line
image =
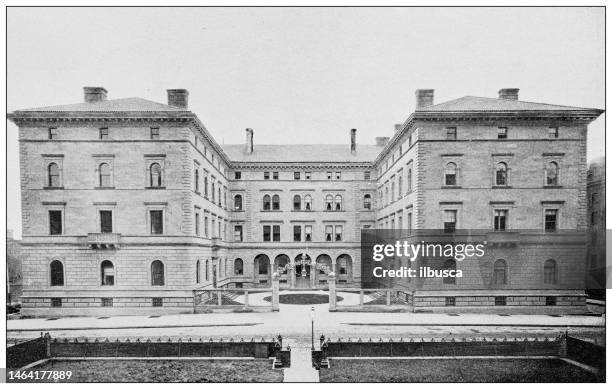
<point x="129" y="205"/>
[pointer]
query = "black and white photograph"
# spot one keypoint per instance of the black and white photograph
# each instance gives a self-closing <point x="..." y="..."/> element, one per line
<point x="305" y="194"/>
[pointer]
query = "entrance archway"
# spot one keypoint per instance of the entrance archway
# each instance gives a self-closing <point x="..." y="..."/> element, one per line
<point x="303" y="271"/>
<point x="324" y="266"/>
<point x="344" y="269"/>
<point x="280" y="265"/>
<point x="262" y="271"/>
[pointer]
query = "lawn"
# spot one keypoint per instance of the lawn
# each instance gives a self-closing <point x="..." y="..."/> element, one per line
<point x="303" y="298"/>
<point x="164" y="371"/>
<point x="455" y="370"/>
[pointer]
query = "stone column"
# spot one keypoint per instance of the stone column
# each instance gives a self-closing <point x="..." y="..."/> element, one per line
<point x="275" y="290"/>
<point x="331" y="282"/>
<point x="292" y="273"/>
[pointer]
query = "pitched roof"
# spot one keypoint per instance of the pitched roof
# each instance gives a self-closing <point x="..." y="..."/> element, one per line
<point x="302" y="153"/>
<point x="130" y="104"/>
<point x="473" y="103"/>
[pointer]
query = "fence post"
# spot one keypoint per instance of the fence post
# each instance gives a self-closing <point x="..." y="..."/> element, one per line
<point x="388" y="297"/>
<point x="246" y="298"/>
<point x="275" y="288"/>
<point x="219" y="298"/>
<point x="47" y="338"/>
<point x="331" y="282"/>
<point x="361" y="298"/>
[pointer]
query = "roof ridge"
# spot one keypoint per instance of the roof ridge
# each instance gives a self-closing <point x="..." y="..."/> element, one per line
<point x="506" y="100"/>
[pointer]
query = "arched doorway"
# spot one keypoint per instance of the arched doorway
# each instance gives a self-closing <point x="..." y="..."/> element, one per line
<point x="284" y="272"/>
<point x="323" y="267"/>
<point x="303" y="271"/>
<point x="261" y="270"/>
<point x="344" y="269"/>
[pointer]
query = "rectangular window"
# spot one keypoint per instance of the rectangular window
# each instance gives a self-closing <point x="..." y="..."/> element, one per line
<point x="409" y="222"/>
<point x="451" y="133"/>
<point x="550" y="220"/>
<point x="154" y="133"/>
<point x="329" y="231"/>
<point x="275" y="175"/>
<point x="296" y="175"/>
<point x="366" y="175"/>
<point x="500" y="219"/>
<point x="502" y="133"/>
<point x="104" y="133"/>
<point x="266" y="233"/>
<point x="308" y="233"/>
<point x="157" y="222"/>
<point x="55" y="223"/>
<point x="107" y="301"/>
<point x="106" y="221"/>
<point x="157" y="301"/>
<point x="237" y="233"/>
<point x="237" y="175"/>
<point x="338" y="175"/>
<point x="53" y="133"/>
<point x="338" y="237"/>
<point x="307" y="175"/>
<point x="500" y="300"/>
<point x="551" y="300"/>
<point x="206" y="226"/>
<point x="276" y="233"/>
<point x="297" y="233"/>
<point x="56" y="302"/>
<point x="449" y="301"/>
<point x="266" y="175"/>
<point x="553" y="132"/>
<point x="329" y="175"/>
<point x="197" y="223"/>
<point x="450" y="220"/>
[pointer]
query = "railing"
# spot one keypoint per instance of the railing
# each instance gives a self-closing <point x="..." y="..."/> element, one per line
<point x="103" y="240"/>
<point x="369" y="297"/>
<point x="228" y="298"/>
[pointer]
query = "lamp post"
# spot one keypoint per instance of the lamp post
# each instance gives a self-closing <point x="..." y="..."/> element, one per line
<point x="312" y="316"/>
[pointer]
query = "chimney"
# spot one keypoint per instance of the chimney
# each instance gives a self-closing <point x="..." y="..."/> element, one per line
<point x="249" y="141"/>
<point x="94" y="94"/>
<point x="178" y="98"/>
<point x="398" y="127"/>
<point x="424" y="98"/>
<point x="353" y="141"/>
<point x="382" y="140"/>
<point x="508" y="93"/>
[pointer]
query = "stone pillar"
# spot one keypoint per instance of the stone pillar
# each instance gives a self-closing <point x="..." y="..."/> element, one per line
<point x="275" y="290"/>
<point x="246" y="298"/>
<point x="361" y="298"/>
<point x="331" y="282"/>
<point x="313" y="275"/>
<point x="388" y="297"/>
<point x="292" y="273"/>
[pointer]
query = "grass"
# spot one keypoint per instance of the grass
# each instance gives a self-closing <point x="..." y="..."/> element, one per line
<point x="303" y="298"/>
<point x="455" y="370"/>
<point x="164" y="371"/>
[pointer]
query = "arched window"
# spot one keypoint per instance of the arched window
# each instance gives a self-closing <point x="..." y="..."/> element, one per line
<point x="450" y="174"/>
<point x="367" y="201"/>
<point x="157" y="273"/>
<point x="499" y="272"/>
<point x="104" y="175"/>
<point x="238" y="267"/>
<point x="57" y="273"/>
<point x="449" y="264"/>
<point x="108" y="273"/>
<point x="308" y="202"/>
<point x="297" y="203"/>
<point x="329" y="200"/>
<point x="206" y="271"/>
<point x="275" y="202"/>
<point x="198" y="271"/>
<point x="266" y="203"/>
<point x="155" y="175"/>
<point x="552" y="173"/>
<point x="338" y="202"/>
<point x="238" y="202"/>
<point x="550" y="272"/>
<point x="53" y="175"/>
<point x="501" y="174"/>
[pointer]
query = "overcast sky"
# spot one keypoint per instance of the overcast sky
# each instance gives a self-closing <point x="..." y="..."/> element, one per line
<point x="302" y="75"/>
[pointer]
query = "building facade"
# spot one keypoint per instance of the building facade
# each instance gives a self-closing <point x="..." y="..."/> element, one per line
<point x="596" y="252"/>
<point x="129" y="205"/>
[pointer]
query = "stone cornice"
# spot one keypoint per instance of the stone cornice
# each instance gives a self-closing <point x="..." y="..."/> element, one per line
<point x="240" y="165"/>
